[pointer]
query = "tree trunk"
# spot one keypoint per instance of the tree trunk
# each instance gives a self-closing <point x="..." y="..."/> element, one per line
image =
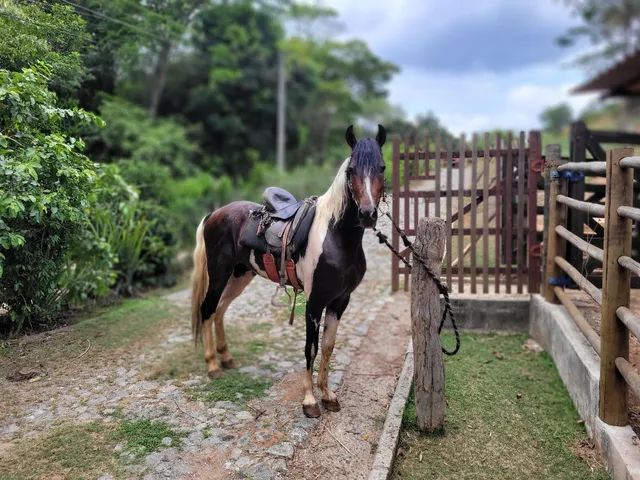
<point x="159" y="78"/>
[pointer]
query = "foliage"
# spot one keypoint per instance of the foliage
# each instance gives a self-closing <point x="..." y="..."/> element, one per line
<point x="30" y="34"/>
<point x="130" y="134"/>
<point x="611" y="26"/>
<point x="556" y="118"/>
<point x="46" y="187"/>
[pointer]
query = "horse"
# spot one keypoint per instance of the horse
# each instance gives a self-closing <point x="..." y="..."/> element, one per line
<point x="330" y="265"/>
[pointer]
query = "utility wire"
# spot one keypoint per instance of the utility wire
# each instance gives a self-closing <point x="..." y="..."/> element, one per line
<point x="88" y="11"/>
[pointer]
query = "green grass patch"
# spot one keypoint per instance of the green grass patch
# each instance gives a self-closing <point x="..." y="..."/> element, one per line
<point x="145" y="436"/>
<point x="128" y="322"/>
<point x="69" y="452"/>
<point x="233" y="386"/>
<point x="246" y="347"/>
<point x="508" y="416"/>
<point x="84" y="451"/>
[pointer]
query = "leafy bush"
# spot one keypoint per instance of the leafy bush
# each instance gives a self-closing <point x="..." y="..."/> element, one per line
<point x="130" y="134"/>
<point x="45" y="193"/>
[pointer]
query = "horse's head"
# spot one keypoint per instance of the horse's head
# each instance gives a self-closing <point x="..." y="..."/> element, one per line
<point x="365" y="174"/>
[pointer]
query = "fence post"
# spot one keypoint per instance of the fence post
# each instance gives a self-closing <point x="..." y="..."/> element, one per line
<point x="614" y="336"/>
<point x="576" y="218"/>
<point x="534" y="163"/>
<point x="553" y="245"/>
<point x="425" y="321"/>
<point x="395" y="211"/>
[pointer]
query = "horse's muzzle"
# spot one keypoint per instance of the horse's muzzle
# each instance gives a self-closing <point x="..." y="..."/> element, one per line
<point x="368" y="217"/>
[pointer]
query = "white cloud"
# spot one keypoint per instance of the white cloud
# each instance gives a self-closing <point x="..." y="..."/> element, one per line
<point x="475" y="91"/>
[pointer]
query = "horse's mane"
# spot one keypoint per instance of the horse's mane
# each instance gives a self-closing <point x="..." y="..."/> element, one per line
<point x="331" y="204"/>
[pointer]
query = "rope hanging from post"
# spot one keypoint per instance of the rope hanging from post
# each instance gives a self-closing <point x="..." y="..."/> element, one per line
<point x="442" y="287"/>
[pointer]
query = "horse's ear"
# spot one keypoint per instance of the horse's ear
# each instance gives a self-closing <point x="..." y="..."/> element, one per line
<point x="381" y="137"/>
<point x="350" y="137"/>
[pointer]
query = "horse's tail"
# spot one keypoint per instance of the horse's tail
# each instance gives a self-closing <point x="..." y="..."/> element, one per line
<point x="199" y="282"/>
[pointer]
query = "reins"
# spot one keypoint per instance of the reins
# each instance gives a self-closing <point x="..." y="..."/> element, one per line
<point x="442" y="287"/>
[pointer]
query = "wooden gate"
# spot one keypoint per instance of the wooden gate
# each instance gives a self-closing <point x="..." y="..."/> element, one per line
<point x="487" y="191"/>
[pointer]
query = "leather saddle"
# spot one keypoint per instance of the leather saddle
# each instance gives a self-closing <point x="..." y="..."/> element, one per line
<point x="280" y="229"/>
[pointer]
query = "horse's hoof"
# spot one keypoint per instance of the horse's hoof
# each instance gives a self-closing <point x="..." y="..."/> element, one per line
<point x="229" y="364"/>
<point x="311" y="411"/>
<point x="331" y="405"/>
<point x="216" y="373"/>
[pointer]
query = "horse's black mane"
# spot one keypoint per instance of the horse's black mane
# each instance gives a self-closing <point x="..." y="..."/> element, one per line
<point x="366" y="153"/>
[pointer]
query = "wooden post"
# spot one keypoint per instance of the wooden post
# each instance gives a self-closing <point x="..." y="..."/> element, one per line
<point x="425" y="320"/>
<point x="614" y="336"/>
<point x="534" y="163"/>
<point x="555" y="217"/>
<point x="395" y="212"/>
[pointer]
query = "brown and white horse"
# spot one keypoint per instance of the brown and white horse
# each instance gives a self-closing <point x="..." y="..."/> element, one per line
<point x="330" y="266"/>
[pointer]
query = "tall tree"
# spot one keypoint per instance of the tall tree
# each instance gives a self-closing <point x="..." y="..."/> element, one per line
<point x="611" y="26"/>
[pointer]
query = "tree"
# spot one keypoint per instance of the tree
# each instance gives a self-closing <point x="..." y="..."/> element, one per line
<point x="555" y="118"/>
<point x="55" y="35"/>
<point x="611" y="26"/>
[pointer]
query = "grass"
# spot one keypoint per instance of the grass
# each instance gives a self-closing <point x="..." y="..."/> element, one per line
<point x="145" y="436"/>
<point x="508" y="416"/>
<point x="131" y="321"/>
<point x="84" y="451"/>
<point x="233" y="386"/>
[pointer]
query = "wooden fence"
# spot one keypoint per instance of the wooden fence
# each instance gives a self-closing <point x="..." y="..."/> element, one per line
<point x="486" y="190"/>
<point x="587" y="145"/>
<point x="616" y="319"/>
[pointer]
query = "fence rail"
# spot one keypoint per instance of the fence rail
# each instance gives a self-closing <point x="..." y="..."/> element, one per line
<point x="616" y="318"/>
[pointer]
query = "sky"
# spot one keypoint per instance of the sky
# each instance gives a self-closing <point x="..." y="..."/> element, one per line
<point x="476" y="64"/>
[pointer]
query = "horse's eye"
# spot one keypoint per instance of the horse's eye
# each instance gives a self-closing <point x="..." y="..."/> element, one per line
<point x="349" y="171"/>
<point x="382" y="168"/>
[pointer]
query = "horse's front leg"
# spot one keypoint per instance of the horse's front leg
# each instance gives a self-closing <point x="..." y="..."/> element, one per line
<point x="313" y="317"/>
<point x="331" y="322"/>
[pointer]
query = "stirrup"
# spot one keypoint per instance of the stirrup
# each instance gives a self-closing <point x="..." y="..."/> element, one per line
<point x="276" y="295"/>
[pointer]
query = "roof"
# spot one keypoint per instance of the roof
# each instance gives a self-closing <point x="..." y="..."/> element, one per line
<point x="622" y="79"/>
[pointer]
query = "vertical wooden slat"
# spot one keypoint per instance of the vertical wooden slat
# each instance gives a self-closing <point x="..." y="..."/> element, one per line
<point x="614" y="336"/>
<point x="485" y="215"/>
<point x="554" y="245"/>
<point x="449" y="205"/>
<point x="508" y="204"/>
<point x="426" y="162"/>
<point x="520" y="225"/>
<point x="438" y="196"/>
<point x="534" y="162"/>
<point x="407" y="224"/>
<point x="395" y="212"/>
<point x="461" y="215"/>
<point x="498" y="211"/>
<point x="416" y="158"/>
<point x="416" y="198"/>
<point x="576" y="218"/>
<point x="474" y="195"/>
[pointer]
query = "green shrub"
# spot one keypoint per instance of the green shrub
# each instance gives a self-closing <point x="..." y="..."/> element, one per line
<point x="45" y="193"/>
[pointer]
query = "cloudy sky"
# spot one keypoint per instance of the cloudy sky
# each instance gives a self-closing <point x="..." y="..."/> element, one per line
<point x="477" y="64"/>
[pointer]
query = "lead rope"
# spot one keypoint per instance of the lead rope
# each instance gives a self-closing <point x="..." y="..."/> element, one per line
<point x="442" y="287"/>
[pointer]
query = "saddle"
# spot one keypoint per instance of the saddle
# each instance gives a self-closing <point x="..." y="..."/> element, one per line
<point x="280" y="229"/>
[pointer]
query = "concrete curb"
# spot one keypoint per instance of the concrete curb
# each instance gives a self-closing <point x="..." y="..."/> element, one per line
<point x="578" y="365"/>
<point x="388" y="442"/>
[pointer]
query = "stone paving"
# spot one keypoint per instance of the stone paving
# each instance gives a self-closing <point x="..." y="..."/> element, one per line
<point x="228" y="439"/>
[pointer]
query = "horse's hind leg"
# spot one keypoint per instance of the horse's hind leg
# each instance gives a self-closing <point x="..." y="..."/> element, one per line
<point x="218" y="279"/>
<point x="234" y="287"/>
